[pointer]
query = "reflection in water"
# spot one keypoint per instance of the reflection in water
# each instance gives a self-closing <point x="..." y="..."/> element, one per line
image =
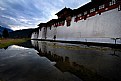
<point x="114" y="53"/>
<point x="24" y="64"/>
<point x="65" y="65"/>
<point x="87" y="63"/>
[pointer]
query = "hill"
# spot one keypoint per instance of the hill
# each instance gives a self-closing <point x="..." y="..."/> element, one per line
<point x="25" y="33"/>
<point x="2" y="28"/>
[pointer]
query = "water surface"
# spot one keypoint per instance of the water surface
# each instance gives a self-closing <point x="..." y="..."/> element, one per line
<point x="52" y="61"/>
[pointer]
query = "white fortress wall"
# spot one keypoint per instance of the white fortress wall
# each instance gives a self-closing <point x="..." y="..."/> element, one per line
<point x="108" y="25"/>
<point x="67" y="33"/>
<point x="51" y="32"/>
<point x="98" y="28"/>
<point x="40" y="34"/>
<point x="34" y="35"/>
<point x="63" y="32"/>
<point x="44" y="32"/>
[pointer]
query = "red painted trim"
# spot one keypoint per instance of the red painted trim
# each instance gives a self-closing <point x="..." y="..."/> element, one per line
<point x="107" y="8"/>
<point x="94" y="13"/>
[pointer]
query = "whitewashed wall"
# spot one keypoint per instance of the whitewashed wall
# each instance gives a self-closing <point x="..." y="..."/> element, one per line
<point x="98" y="28"/>
<point x="34" y="35"/>
<point x="51" y="32"/>
<point x="40" y="34"/>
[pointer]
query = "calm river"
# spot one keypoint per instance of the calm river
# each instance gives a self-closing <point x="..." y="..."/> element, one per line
<point x="53" y="61"/>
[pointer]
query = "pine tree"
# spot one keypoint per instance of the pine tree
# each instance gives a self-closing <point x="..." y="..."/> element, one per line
<point x="5" y="33"/>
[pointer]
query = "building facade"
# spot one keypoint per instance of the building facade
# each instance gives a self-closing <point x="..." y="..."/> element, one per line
<point x="97" y="21"/>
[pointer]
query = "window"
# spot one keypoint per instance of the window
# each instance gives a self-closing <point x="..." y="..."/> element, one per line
<point x="112" y="2"/>
<point x="79" y="15"/>
<point x="68" y="20"/>
<point x="85" y="13"/>
<point x="68" y="23"/>
<point x="101" y="6"/>
<point x="119" y="8"/>
<point x="60" y="23"/>
<point x="76" y="19"/>
<point x="56" y="24"/>
<point x="92" y="10"/>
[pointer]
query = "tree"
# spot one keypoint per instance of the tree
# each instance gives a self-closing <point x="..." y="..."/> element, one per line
<point x="5" y="33"/>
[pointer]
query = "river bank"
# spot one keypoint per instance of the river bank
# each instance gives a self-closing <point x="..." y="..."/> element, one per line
<point x="9" y="41"/>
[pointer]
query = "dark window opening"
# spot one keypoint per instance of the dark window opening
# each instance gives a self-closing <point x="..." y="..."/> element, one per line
<point x="56" y="24"/>
<point x="68" y="20"/>
<point x="50" y="27"/>
<point x="75" y="19"/>
<point x="99" y="13"/>
<point x="68" y="23"/>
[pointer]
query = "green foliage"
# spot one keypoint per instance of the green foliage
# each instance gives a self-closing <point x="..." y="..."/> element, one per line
<point x="8" y="42"/>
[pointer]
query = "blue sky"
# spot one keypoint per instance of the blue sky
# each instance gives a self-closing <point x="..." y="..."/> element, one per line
<point x="24" y="14"/>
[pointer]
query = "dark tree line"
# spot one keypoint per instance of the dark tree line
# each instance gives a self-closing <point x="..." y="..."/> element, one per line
<point x="5" y="33"/>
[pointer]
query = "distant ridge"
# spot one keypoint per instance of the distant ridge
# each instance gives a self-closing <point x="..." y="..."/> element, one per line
<point x="25" y="33"/>
<point x="2" y="28"/>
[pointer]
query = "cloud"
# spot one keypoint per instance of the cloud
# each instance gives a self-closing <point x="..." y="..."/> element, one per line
<point x="13" y="27"/>
<point x="22" y="14"/>
<point x="1" y="8"/>
<point x="8" y="17"/>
